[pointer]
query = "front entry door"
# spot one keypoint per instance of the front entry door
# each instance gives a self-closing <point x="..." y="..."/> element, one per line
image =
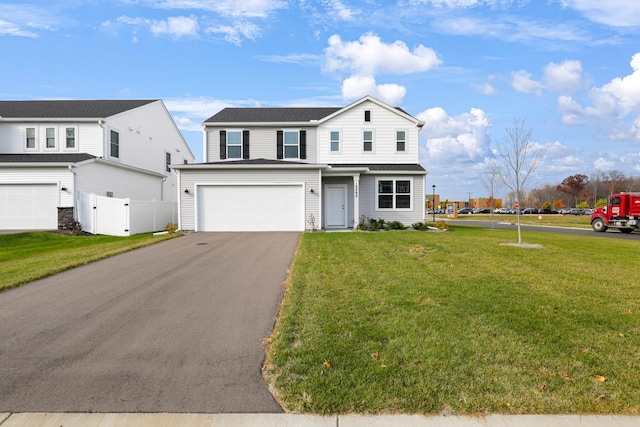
<point x="336" y="206"/>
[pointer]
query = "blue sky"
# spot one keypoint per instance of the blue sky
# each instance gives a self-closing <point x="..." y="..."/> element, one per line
<point x="468" y="68"/>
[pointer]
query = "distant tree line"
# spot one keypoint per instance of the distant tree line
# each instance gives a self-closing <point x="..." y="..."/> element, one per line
<point x="579" y="191"/>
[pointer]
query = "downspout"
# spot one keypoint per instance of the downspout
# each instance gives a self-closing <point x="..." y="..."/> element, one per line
<point x="177" y="172"/>
<point x="164" y="179"/>
<point x="75" y="192"/>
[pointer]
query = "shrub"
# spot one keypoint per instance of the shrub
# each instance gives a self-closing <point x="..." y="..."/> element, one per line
<point x="420" y="226"/>
<point x="395" y="225"/>
<point x="171" y="228"/>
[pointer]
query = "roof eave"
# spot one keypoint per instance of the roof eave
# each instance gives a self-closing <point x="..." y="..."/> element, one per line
<point x="312" y="123"/>
<point x="200" y="166"/>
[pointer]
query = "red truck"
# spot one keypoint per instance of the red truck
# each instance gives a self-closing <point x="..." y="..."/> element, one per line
<point x="622" y="212"/>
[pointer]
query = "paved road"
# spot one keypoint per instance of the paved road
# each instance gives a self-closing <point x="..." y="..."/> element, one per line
<point x="611" y="234"/>
<point x="174" y="327"/>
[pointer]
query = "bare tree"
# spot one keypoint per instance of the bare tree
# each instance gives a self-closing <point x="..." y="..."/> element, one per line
<point x="520" y="158"/>
<point x="492" y="183"/>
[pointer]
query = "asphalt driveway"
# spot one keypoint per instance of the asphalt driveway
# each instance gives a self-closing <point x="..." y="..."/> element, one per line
<point x="173" y="327"/>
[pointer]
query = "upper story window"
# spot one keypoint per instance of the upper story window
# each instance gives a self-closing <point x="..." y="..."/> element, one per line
<point x="367" y="115"/>
<point x="50" y="134"/>
<point x="31" y="139"/>
<point x="291" y="144"/>
<point x="401" y="140"/>
<point x="335" y="140"/>
<point x="234" y="144"/>
<point x="114" y="144"/>
<point x="394" y="194"/>
<point x="167" y="161"/>
<point x="70" y="138"/>
<point x="367" y="140"/>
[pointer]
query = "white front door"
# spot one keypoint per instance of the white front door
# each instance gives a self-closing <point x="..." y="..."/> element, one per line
<point x="336" y="206"/>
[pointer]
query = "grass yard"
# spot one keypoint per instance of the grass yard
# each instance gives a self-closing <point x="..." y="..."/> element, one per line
<point x="574" y="221"/>
<point x="455" y="323"/>
<point x="25" y="257"/>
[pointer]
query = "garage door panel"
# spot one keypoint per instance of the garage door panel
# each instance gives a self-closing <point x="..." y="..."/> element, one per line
<point x="29" y="206"/>
<point x="250" y="208"/>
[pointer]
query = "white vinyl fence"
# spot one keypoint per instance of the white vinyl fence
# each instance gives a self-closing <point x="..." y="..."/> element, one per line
<point x="123" y="217"/>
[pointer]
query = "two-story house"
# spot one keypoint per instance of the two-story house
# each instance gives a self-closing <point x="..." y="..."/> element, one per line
<point x="52" y="150"/>
<point x="296" y="169"/>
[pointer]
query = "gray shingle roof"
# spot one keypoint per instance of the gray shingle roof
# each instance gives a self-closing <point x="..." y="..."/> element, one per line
<point x="69" y="108"/>
<point x="384" y="167"/>
<point x="256" y="162"/>
<point x="45" y="158"/>
<point x="268" y="115"/>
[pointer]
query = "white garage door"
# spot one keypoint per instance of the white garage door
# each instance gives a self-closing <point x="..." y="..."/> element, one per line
<point x="250" y="208"/>
<point x="28" y="206"/>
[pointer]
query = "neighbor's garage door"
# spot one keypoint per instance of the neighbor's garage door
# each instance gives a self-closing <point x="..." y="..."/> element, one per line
<point x="250" y="208"/>
<point x="28" y="206"/>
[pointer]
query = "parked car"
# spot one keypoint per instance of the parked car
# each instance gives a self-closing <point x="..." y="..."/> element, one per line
<point x="465" y="211"/>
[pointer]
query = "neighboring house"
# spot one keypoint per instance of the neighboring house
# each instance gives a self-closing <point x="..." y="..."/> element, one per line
<point x="304" y="168"/>
<point x="52" y="150"/>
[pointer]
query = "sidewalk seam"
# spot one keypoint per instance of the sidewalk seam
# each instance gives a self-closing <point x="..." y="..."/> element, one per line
<point x="2" y="421"/>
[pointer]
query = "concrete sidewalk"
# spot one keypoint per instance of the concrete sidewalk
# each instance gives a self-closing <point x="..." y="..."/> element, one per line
<point x="294" y="420"/>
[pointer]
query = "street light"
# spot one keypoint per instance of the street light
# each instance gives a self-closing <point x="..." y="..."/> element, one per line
<point x="433" y="203"/>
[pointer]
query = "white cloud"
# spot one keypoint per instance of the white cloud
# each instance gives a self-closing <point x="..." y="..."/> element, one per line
<point x="604" y="164"/>
<point x="237" y="32"/>
<point x="227" y="8"/>
<point x="522" y="82"/>
<point x="617" y="102"/>
<point x="25" y="20"/>
<point x="563" y="77"/>
<point x="369" y="55"/>
<point x="356" y="87"/>
<point x="339" y="11"/>
<point x="615" y="13"/>
<point x="454" y="141"/>
<point x="13" y="29"/>
<point x="177" y="26"/>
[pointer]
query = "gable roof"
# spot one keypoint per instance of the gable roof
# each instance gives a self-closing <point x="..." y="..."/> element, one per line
<point x="295" y="114"/>
<point x="397" y="110"/>
<point x="69" y="108"/>
<point x="271" y="115"/>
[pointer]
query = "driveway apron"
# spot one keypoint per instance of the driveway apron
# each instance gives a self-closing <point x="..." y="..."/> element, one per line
<point x="174" y="327"/>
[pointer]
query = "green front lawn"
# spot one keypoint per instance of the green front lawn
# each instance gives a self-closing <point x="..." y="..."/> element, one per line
<point x="456" y="323"/>
<point x="25" y="257"/>
<point x="574" y="221"/>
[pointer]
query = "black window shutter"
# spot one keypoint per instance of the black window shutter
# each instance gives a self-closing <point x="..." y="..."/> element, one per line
<point x="245" y="144"/>
<point x="223" y="144"/>
<point x="303" y="144"/>
<point x="280" y="145"/>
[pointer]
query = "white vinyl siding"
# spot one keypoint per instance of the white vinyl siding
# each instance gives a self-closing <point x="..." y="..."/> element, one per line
<point x="262" y="145"/>
<point x="368" y="195"/>
<point x="384" y="124"/>
<point x="100" y="178"/>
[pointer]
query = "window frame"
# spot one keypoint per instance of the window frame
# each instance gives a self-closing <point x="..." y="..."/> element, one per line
<point x="394" y="193"/>
<point x="285" y="145"/>
<point x="403" y="141"/>
<point x="338" y="141"/>
<point x="240" y="144"/>
<point x="114" y="144"/>
<point x="167" y="161"/>
<point x="364" y="141"/>
<point x="34" y="139"/>
<point x="367" y="116"/>
<point x="65" y="146"/>
<point x="53" y="137"/>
